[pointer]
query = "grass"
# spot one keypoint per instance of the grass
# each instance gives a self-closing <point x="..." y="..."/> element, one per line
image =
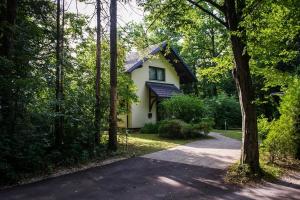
<point x="140" y="144"/>
<point x="240" y="174"/>
<point x="235" y="134"/>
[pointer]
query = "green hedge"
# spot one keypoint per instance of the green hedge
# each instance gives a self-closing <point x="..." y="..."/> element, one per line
<point x="178" y="129"/>
<point x="149" y="128"/>
<point x="189" y="109"/>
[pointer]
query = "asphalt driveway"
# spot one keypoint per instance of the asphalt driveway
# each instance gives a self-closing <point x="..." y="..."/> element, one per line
<point x="192" y="171"/>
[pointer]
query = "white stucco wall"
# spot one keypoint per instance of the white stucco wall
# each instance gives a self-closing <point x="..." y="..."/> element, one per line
<point x="139" y="111"/>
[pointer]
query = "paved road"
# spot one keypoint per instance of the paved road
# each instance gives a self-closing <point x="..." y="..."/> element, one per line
<point x="217" y="153"/>
<point x="192" y="171"/>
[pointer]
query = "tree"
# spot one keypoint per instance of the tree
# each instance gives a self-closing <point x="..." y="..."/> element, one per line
<point x="112" y="141"/>
<point x="233" y="11"/>
<point x="98" y="75"/>
<point x="230" y="14"/>
<point x="8" y="101"/>
<point x="59" y="118"/>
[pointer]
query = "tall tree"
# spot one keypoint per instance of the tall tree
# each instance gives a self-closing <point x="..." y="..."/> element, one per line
<point x="233" y="10"/>
<point x="59" y="117"/>
<point x="98" y="75"/>
<point x="7" y="98"/>
<point x="228" y="13"/>
<point x="112" y="141"/>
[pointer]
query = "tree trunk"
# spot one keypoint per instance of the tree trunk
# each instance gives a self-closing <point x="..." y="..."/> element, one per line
<point x="8" y="96"/>
<point x="59" y="118"/>
<point x="242" y="77"/>
<point x="98" y="77"/>
<point x="214" y="55"/>
<point x="8" y="15"/>
<point x="112" y="141"/>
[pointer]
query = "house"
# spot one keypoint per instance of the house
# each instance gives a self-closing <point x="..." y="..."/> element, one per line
<point x="157" y="75"/>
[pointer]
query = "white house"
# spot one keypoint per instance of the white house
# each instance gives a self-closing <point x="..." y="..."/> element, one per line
<point x="157" y="75"/>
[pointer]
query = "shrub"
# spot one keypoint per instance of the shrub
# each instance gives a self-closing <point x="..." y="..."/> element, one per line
<point x="149" y="128"/>
<point x="178" y="129"/>
<point x="206" y="125"/>
<point x="187" y="108"/>
<point x="263" y="127"/>
<point x="171" y="128"/>
<point x="279" y="142"/>
<point x="283" y="138"/>
<point x="224" y="107"/>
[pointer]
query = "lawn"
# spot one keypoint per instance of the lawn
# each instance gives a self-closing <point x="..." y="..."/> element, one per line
<point x="235" y="134"/>
<point x="140" y="144"/>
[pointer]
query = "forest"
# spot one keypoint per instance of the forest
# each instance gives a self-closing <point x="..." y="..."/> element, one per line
<point x="63" y="82"/>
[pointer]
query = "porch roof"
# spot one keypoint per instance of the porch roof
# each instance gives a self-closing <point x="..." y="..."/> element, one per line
<point x="163" y="90"/>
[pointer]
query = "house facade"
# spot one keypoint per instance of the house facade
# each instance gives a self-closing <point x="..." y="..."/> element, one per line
<point x="157" y="76"/>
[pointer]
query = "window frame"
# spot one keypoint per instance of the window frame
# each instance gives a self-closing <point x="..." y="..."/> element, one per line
<point x="155" y="71"/>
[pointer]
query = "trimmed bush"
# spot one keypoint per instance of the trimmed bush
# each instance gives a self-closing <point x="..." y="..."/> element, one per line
<point x="149" y="128"/>
<point x="206" y="125"/>
<point x="187" y="108"/>
<point x="178" y="129"/>
<point x="171" y="128"/>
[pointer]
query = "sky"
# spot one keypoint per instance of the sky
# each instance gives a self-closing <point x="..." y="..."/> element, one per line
<point x="126" y="12"/>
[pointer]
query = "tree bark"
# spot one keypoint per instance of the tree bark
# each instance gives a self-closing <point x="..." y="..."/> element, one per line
<point x="112" y="141"/>
<point x="8" y="15"/>
<point x="242" y="77"/>
<point x="8" y="99"/>
<point x="59" y="118"/>
<point x="98" y="77"/>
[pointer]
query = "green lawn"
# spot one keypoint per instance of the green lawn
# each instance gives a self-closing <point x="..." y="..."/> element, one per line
<point x="235" y="134"/>
<point x="140" y="144"/>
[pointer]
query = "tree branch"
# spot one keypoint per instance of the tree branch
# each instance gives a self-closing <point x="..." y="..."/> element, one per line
<point x="216" y="5"/>
<point x="208" y="12"/>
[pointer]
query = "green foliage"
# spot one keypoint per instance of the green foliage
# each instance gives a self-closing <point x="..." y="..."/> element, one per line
<point x="224" y="107"/>
<point x="264" y="127"/>
<point x="178" y="129"/>
<point x="172" y="129"/>
<point x="283" y="138"/>
<point x="187" y="108"/>
<point x="28" y="95"/>
<point x="205" y="125"/>
<point x="149" y="128"/>
<point x="239" y="174"/>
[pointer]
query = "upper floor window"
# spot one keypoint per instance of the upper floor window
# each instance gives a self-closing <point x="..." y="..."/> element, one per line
<point x="156" y="73"/>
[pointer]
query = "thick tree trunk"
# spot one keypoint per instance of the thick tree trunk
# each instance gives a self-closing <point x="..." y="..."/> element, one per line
<point x="112" y="141"/>
<point x="98" y="77"/>
<point x="8" y="15"/>
<point x="59" y="118"/>
<point x="242" y="77"/>
<point x="241" y="74"/>
<point x="8" y="96"/>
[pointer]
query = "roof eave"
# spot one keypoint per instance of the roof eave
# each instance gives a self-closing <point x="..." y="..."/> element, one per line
<point x="153" y="52"/>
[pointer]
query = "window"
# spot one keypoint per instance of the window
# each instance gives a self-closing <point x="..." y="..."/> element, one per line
<point x="156" y="73"/>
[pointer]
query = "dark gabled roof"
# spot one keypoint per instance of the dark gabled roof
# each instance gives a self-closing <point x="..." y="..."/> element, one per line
<point x="135" y="60"/>
<point x="163" y="90"/>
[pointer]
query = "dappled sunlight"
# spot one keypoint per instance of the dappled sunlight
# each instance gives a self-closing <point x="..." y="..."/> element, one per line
<point x="215" y="183"/>
<point x="277" y="190"/>
<point x="169" y="181"/>
<point x="217" y="153"/>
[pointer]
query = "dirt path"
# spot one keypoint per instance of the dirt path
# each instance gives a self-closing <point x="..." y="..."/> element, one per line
<point x="192" y="171"/>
